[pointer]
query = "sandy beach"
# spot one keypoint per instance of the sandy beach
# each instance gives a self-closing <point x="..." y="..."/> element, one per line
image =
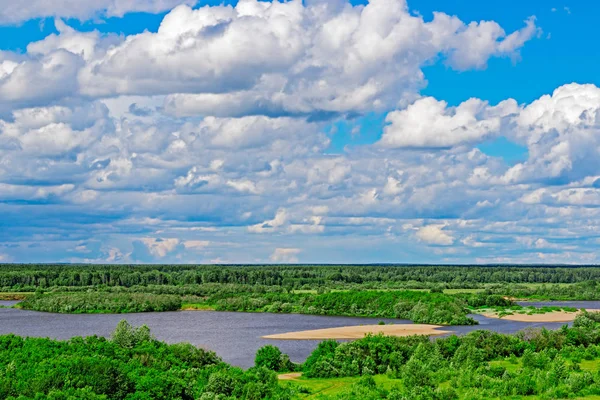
<point x="358" y="332"/>
<point x="555" y="316"/>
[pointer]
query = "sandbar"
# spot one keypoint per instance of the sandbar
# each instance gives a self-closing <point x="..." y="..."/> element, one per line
<point x="554" y="316"/>
<point x="358" y="332"/>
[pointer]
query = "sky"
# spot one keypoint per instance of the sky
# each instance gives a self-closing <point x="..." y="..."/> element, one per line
<point x="382" y="131"/>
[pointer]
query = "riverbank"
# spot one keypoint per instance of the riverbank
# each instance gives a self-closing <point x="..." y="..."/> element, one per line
<point x="358" y="332"/>
<point x="553" y="316"/>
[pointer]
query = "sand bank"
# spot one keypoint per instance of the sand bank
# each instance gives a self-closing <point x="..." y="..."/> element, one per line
<point x="554" y="316"/>
<point x="358" y="332"/>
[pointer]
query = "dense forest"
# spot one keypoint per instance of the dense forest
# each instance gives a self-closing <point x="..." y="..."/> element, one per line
<point x="30" y="277"/>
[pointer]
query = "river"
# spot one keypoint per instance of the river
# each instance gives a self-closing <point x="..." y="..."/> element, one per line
<point x="234" y="336"/>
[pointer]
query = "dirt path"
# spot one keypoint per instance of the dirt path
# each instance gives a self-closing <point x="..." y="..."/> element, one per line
<point x="290" y="376"/>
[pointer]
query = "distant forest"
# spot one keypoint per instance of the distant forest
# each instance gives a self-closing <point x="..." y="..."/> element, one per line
<point x="32" y="276"/>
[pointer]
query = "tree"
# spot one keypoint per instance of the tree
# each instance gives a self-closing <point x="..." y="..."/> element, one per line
<point x="269" y="357"/>
<point x="127" y="336"/>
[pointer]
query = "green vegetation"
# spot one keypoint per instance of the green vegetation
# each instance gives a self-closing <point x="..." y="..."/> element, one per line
<point x="422" y="307"/>
<point x="132" y="365"/>
<point x="588" y="290"/>
<point x="98" y="302"/>
<point x="436" y="295"/>
<point x="537" y="364"/>
<point x="534" y="364"/>
<point x="31" y="277"/>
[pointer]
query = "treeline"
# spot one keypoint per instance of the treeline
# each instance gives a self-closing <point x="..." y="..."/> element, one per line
<point x="420" y="307"/>
<point x="132" y="365"/>
<point x="98" y="302"/>
<point x="589" y="290"/>
<point x="31" y="277"/>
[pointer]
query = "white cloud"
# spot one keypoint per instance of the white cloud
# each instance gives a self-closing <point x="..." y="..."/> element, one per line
<point x="196" y="244"/>
<point x="280" y="219"/>
<point x="285" y="255"/>
<point x="434" y="234"/>
<point x="12" y="12"/>
<point x="267" y="58"/>
<point x="239" y="147"/>
<point x="160" y="247"/>
<point x="430" y="123"/>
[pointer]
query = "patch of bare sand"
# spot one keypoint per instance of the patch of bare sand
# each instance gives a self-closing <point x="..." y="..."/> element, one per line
<point x="358" y="332"/>
<point x="554" y="316"/>
<point x="290" y="376"/>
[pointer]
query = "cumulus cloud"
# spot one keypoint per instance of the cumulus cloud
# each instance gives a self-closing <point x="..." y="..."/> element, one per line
<point x="435" y="234"/>
<point x="257" y="58"/>
<point x="204" y="143"/>
<point x="160" y="247"/>
<point x="285" y="255"/>
<point x="13" y="13"/>
<point x="431" y="123"/>
<point x="562" y="134"/>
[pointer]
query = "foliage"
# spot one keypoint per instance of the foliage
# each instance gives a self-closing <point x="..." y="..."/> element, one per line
<point x="133" y="365"/>
<point x="271" y="358"/>
<point x="480" y="365"/>
<point x="99" y="302"/>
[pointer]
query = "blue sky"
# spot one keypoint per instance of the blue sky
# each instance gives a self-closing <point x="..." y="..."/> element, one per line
<point x="426" y="131"/>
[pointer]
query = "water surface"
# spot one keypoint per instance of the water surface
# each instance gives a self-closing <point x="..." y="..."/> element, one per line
<point x="234" y="336"/>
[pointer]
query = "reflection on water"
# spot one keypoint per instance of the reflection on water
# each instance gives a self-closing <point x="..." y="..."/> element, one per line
<point x="233" y="336"/>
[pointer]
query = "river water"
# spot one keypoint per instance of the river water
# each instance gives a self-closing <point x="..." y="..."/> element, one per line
<point x="235" y="337"/>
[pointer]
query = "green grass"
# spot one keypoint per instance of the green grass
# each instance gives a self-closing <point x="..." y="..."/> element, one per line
<point x="321" y="388"/>
<point x="456" y="291"/>
<point x="590" y="365"/>
<point x="334" y="386"/>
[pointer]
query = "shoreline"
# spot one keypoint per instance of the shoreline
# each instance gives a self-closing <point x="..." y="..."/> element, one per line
<point x="553" y="316"/>
<point x="358" y="332"/>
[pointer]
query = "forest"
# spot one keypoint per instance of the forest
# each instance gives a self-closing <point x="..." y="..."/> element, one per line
<point x="15" y="277"/>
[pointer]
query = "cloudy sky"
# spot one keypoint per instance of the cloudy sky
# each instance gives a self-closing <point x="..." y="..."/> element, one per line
<point x="319" y="131"/>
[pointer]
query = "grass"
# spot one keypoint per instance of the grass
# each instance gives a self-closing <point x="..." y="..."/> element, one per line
<point x="456" y="291"/>
<point x="318" y="388"/>
<point x="590" y="365"/>
<point x="333" y="386"/>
